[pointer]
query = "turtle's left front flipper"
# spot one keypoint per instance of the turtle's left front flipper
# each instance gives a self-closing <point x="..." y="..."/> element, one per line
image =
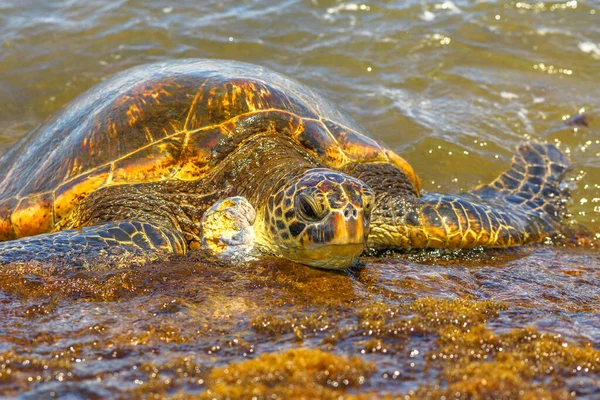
<point x="228" y="231"/>
<point x="523" y="205"/>
<point x="105" y="242"/>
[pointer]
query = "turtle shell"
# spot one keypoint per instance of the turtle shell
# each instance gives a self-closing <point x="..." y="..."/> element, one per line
<point x="171" y="120"/>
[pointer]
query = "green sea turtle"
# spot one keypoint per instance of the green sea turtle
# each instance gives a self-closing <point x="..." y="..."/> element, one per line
<point x="132" y="165"/>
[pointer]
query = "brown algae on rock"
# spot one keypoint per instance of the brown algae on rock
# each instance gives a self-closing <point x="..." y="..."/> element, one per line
<point x="267" y="329"/>
<point x="520" y="363"/>
<point x="291" y="374"/>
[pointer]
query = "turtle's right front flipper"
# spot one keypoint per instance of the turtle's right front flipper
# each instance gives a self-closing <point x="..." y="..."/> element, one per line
<point x="523" y="205"/>
<point x="106" y="241"/>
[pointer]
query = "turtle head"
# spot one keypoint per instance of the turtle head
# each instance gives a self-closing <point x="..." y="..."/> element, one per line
<point x="320" y="218"/>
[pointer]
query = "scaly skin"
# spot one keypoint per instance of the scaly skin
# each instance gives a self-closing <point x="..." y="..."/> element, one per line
<point x="309" y="215"/>
<point x="109" y="240"/>
<point x="304" y="213"/>
<point x="321" y="220"/>
<point x="523" y="205"/>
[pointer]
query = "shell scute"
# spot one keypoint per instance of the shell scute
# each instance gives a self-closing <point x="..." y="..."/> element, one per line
<point x="276" y="122"/>
<point x="152" y="163"/>
<point x="200" y="151"/>
<point x="46" y="167"/>
<point x="313" y="136"/>
<point x="33" y="215"/>
<point x="218" y="101"/>
<point x="144" y="114"/>
<point x="6" y="209"/>
<point x="356" y="146"/>
<point x="70" y="193"/>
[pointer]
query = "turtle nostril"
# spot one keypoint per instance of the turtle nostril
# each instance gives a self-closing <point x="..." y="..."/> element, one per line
<point x="350" y="212"/>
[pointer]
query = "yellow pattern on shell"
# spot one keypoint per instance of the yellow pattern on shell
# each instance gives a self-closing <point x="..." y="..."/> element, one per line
<point x="172" y="120"/>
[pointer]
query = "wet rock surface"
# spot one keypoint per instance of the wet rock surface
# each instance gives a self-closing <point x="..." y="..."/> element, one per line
<point x="484" y="324"/>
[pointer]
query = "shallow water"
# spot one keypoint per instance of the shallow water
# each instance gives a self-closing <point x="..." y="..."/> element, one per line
<point x="452" y="86"/>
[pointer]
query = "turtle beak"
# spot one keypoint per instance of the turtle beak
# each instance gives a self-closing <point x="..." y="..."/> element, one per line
<point x="338" y="240"/>
<point x="351" y="226"/>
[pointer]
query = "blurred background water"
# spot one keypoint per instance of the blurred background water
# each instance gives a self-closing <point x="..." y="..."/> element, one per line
<point x="453" y="86"/>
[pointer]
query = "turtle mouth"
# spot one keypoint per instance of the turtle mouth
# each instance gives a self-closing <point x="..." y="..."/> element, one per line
<point x="328" y="256"/>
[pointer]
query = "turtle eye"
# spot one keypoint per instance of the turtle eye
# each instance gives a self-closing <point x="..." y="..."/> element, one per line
<point x="367" y="204"/>
<point x="307" y="208"/>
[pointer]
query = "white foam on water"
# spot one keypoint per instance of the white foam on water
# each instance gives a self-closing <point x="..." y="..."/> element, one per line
<point x="552" y="31"/>
<point x="537" y="100"/>
<point x="348" y="7"/>
<point x="522" y="115"/>
<point x="342" y="7"/>
<point x="590" y="48"/>
<point x="427" y="16"/>
<point x="509" y="95"/>
<point x="450" y="6"/>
